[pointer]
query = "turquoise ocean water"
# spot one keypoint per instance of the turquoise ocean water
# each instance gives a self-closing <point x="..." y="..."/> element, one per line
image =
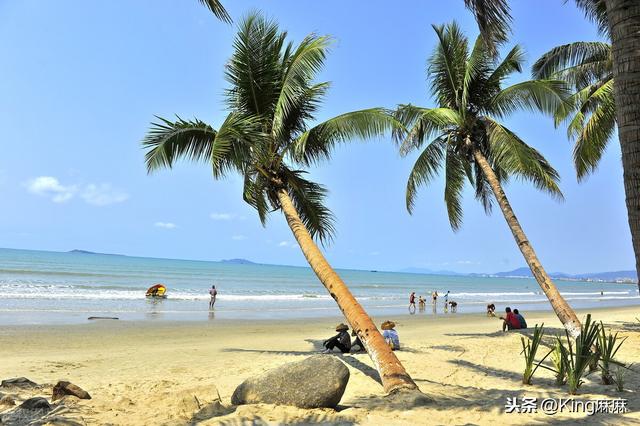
<point x="38" y="287"/>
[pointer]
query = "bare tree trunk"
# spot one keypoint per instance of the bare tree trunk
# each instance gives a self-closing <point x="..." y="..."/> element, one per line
<point x="624" y="26"/>
<point x="560" y="306"/>
<point x="393" y="375"/>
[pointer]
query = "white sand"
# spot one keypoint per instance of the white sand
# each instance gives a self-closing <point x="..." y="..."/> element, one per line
<point x="151" y="373"/>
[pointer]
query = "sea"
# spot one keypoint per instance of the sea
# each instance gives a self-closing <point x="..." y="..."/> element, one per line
<point x="41" y="287"/>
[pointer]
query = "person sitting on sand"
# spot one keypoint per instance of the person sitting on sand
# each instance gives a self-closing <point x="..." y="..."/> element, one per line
<point x="390" y="335"/>
<point x="491" y="310"/>
<point x="341" y="340"/>
<point x="510" y="321"/>
<point x="357" y="342"/>
<point x="523" y="323"/>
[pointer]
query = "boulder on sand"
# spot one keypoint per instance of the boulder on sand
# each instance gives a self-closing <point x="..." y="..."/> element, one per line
<point x="318" y="381"/>
<point x="36" y="403"/>
<point x="18" y="382"/>
<point x="63" y="388"/>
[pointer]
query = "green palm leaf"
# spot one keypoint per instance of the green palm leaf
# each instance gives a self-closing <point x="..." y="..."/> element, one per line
<point x="217" y="9"/>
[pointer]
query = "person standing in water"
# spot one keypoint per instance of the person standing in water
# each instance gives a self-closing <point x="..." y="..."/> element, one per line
<point x="213" y="293"/>
<point x="412" y="301"/>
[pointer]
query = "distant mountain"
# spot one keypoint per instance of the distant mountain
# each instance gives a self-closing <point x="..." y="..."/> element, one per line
<point x="238" y="262"/>
<point x="615" y="276"/>
<point x="524" y="272"/>
<point x="78" y="251"/>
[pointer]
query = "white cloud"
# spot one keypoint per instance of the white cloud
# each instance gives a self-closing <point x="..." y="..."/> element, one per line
<point x="50" y="187"/>
<point x="288" y="244"/>
<point x="165" y="225"/>
<point x="222" y="216"/>
<point x="103" y="195"/>
<point x="239" y="237"/>
<point x="97" y="195"/>
<point x="467" y="262"/>
<point x="374" y="253"/>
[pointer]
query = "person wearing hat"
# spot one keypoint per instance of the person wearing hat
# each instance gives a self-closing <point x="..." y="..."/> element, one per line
<point x="390" y="335"/>
<point x="342" y="340"/>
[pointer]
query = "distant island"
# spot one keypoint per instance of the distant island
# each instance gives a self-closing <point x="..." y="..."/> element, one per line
<point x="78" y="251"/>
<point x="629" y="277"/>
<point x="238" y="262"/>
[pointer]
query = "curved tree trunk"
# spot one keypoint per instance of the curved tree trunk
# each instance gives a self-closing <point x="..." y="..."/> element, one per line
<point x="393" y="375"/>
<point x="560" y="306"/>
<point x="624" y="26"/>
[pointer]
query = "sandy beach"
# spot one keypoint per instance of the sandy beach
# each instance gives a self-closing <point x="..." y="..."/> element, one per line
<point x="142" y="373"/>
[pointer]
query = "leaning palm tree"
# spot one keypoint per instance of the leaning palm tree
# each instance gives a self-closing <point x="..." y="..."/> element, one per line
<point x="620" y="19"/>
<point x="590" y="111"/>
<point x="267" y="139"/>
<point x="465" y="135"/>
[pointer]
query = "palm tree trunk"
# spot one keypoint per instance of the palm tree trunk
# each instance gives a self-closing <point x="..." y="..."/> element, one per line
<point x="393" y="375"/>
<point x="560" y="306"/>
<point x="624" y="26"/>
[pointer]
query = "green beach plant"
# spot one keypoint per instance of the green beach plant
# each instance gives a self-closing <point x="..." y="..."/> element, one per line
<point x="529" y="350"/>
<point x="619" y="377"/>
<point x="558" y="364"/>
<point x="465" y="138"/>
<point x="577" y="355"/>
<point x="269" y="140"/>
<point x="608" y="344"/>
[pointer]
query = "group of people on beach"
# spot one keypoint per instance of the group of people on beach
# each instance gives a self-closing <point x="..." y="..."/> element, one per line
<point x="448" y="304"/>
<point x="512" y="320"/>
<point x="342" y="340"/>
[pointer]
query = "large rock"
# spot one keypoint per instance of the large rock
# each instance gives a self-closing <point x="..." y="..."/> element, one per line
<point x="318" y="381"/>
<point x="18" y="382"/>
<point x="63" y="388"/>
<point x="36" y="403"/>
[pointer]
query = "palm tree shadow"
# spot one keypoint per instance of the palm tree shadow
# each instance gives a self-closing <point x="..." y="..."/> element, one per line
<point x="309" y="419"/>
<point x="362" y="367"/>
<point x="497" y="372"/>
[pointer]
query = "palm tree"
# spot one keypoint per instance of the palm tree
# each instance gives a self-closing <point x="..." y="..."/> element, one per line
<point x="216" y="7"/>
<point x="266" y="138"/>
<point x="465" y="135"/>
<point x="590" y="110"/>
<point x="620" y="19"/>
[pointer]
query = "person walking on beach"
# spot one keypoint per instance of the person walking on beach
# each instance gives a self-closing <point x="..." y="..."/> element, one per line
<point x="213" y="293"/>
<point x="434" y="296"/>
<point x="412" y="301"/>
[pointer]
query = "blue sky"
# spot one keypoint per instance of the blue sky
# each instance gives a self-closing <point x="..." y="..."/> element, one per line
<point x="82" y="80"/>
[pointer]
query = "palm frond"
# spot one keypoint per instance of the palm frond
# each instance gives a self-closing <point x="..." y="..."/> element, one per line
<point x="255" y="193"/>
<point x="595" y="11"/>
<point x="579" y="64"/>
<point x="300" y="69"/>
<point x="592" y="139"/>
<point x="517" y="158"/>
<point x="421" y="124"/>
<point x="535" y="95"/>
<point x="494" y="20"/>
<point x="425" y="168"/>
<point x="455" y="173"/>
<point x="316" y="144"/>
<point x="308" y="199"/>
<point x="447" y="65"/>
<point x="166" y="141"/>
<point x="216" y="7"/>
<point x="255" y="68"/>
<point x="512" y="62"/>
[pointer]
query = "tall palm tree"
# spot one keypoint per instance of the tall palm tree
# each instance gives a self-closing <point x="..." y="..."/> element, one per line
<point x="267" y="139"/>
<point x="590" y="110"/>
<point x="465" y="136"/>
<point x="621" y="20"/>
